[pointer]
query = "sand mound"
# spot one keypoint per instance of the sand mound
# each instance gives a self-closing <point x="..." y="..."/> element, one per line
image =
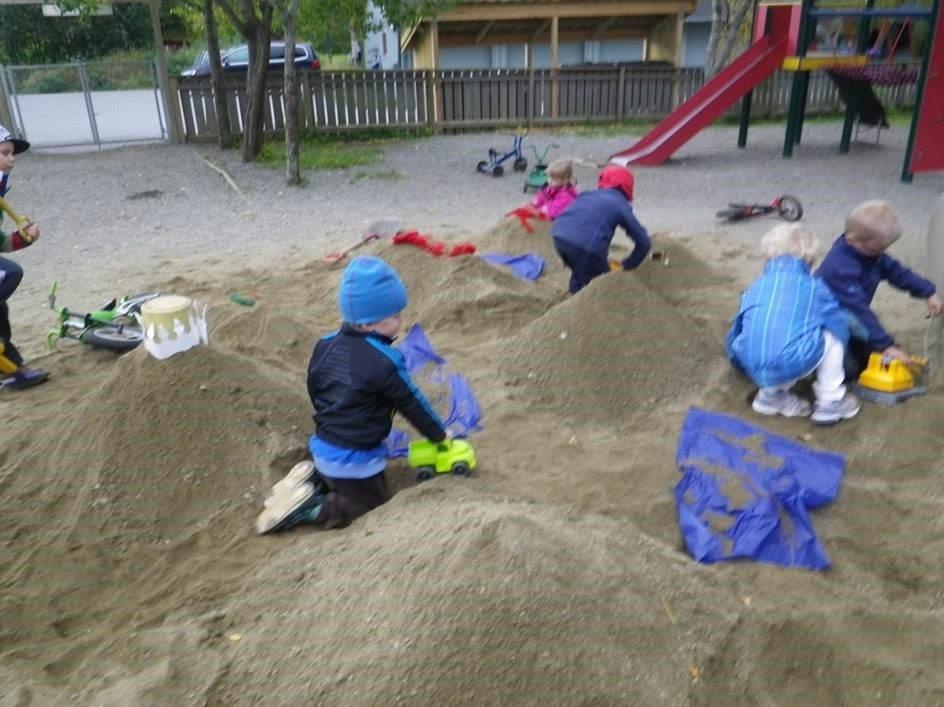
<point x="555" y="575"/>
<point x="265" y="335"/>
<point x="481" y="600"/>
<point x="466" y="294"/>
<point x="829" y="658"/>
<point x="614" y="351"/>
<point x="509" y="237"/>
<point x="189" y="434"/>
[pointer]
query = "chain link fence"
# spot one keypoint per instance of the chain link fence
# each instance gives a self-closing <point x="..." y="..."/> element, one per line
<point x="93" y="103"/>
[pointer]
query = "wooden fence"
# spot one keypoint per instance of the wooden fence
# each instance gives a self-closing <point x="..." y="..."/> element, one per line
<point x="334" y="101"/>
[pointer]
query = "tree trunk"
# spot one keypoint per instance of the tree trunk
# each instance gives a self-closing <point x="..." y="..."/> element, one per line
<point x="719" y="11"/>
<point x="733" y="34"/>
<point x="224" y="130"/>
<point x="257" y="37"/>
<point x="292" y="171"/>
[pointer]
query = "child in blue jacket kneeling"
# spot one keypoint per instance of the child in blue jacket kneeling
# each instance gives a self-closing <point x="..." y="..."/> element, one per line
<point x="790" y="325"/>
<point x="356" y="382"/>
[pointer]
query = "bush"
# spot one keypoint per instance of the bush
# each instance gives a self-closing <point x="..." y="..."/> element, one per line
<point x="60" y="79"/>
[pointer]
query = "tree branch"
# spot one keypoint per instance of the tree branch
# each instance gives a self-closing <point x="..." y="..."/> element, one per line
<point x="241" y="26"/>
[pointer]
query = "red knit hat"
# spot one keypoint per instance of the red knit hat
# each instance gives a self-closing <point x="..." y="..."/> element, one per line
<point x="616" y="177"/>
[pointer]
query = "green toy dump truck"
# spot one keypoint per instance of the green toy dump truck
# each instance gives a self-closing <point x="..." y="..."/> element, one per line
<point x="450" y="457"/>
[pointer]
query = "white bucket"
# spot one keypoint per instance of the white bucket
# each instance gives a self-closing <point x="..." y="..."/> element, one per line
<point x="172" y="324"/>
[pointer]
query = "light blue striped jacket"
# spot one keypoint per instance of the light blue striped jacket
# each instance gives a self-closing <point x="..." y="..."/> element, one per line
<point x="777" y="335"/>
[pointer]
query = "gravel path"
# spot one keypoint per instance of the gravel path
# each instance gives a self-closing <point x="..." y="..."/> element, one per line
<point x="97" y="241"/>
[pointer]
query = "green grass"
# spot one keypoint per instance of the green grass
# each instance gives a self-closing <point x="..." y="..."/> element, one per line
<point x="323" y="153"/>
<point x="342" y="151"/>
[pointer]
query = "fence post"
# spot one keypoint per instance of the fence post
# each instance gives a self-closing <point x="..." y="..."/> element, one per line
<point x="308" y="102"/>
<point x="89" y="107"/>
<point x="531" y="100"/>
<point x="621" y="95"/>
<point x="6" y="112"/>
<point x="175" y="123"/>
<point x="433" y="91"/>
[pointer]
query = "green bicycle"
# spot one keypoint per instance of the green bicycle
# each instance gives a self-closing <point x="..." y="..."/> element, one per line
<point x="113" y="327"/>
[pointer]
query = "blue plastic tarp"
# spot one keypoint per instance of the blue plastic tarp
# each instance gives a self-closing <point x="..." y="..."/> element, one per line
<point x="746" y="493"/>
<point x="456" y="402"/>
<point x="528" y="266"/>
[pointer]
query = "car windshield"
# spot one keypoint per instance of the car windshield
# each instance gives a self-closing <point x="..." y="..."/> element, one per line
<point x="238" y="56"/>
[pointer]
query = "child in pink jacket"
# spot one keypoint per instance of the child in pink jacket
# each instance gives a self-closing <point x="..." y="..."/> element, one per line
<point x="558" y="193"/>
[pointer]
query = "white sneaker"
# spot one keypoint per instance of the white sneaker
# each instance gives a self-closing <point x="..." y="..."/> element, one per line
<point x="832" y="412"/>
<point x="300" y="473"/>
<point x="781" y="402"/>
<point x="286" y="510"/>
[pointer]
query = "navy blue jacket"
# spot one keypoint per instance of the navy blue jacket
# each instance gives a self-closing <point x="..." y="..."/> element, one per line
<point x="356" y="382"/>
<point x="590" y="222"/>
<point x="854" y="277"/>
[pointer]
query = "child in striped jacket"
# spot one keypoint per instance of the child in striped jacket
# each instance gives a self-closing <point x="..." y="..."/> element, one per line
<point x="789" y="326"/>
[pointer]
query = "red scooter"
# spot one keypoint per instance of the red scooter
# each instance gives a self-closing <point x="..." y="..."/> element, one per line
<point x="787" y="207"/>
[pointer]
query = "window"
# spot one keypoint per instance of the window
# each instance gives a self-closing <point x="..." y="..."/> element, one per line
<point x="238" y="56"/>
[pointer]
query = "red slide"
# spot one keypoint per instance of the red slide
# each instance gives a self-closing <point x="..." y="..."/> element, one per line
<point x="761" y="60"/>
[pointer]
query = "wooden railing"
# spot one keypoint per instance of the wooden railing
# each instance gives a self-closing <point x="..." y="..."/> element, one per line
<point x="334" y="101"/>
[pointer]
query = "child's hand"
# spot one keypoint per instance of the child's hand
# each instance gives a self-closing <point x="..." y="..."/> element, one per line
<point x="31" y="232"/>
<point x="895" y="352"/>
<point x="935" y="306"/>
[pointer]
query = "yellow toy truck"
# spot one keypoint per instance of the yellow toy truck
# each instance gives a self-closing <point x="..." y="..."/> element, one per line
<point x="450" y="457"/>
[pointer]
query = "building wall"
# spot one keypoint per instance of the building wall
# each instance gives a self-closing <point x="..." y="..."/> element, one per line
<point x="619" y="50"/>
<point x="567" y="53"/>
<point x="474" y="57"/>
<point x="695" y="43"/>
<point x="381" y="47"/>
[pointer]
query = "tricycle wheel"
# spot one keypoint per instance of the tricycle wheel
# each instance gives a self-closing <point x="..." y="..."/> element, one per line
<point x="521" y="164"/>
<point x="497" y="171"/>
<point x="114" y="338"/>
<point x="482" y="166"/>
<point x="790" y="208"/>
<point x="425" y="473"/>
<point x="460" y="469"/>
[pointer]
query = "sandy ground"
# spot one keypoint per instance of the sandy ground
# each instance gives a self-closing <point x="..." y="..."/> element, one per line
<point x="556" y="575"/>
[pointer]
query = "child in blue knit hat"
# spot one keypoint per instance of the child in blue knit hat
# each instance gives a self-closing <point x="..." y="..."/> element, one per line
<point x="356" y="382"/>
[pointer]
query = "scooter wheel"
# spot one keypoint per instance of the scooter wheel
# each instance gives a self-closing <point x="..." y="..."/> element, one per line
<point x="498" y="171"/>
<point x="790" y="208"/>
<point x="482" y="166"/>
<point x="521" y="164"/>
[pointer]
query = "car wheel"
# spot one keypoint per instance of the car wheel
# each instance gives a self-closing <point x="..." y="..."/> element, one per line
<point x="460" y="469"/>
<point x="425" y="473"/>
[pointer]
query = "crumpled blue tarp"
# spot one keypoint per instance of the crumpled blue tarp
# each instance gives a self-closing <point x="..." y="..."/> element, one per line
<point x="458" y="406"/>
<point x="734" y="503"/>
<point x="528" y="266"/>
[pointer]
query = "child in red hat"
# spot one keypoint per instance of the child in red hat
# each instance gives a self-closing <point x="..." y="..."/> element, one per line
<point x="583" y="232"/>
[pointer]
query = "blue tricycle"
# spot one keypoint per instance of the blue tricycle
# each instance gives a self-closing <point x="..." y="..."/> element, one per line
<point x="494" y="164"/>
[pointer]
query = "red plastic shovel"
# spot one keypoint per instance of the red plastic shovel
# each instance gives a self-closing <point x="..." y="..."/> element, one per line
<point x="385" y="228"/>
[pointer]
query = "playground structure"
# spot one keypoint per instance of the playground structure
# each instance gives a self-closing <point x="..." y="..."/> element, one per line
<point x="782" y="37"/>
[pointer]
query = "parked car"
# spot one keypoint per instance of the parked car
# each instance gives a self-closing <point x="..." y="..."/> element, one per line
<point x="236" y="59"/>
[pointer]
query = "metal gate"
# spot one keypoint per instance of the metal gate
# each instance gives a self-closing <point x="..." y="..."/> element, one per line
<point x="89" y="103"/>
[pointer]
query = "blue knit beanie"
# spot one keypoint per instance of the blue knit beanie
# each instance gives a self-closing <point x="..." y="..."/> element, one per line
<point x="370" y="291"/>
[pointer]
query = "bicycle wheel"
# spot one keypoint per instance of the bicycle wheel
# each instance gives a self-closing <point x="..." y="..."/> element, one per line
<point x="113" y="338"/>
<point x="790" y="208"/>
